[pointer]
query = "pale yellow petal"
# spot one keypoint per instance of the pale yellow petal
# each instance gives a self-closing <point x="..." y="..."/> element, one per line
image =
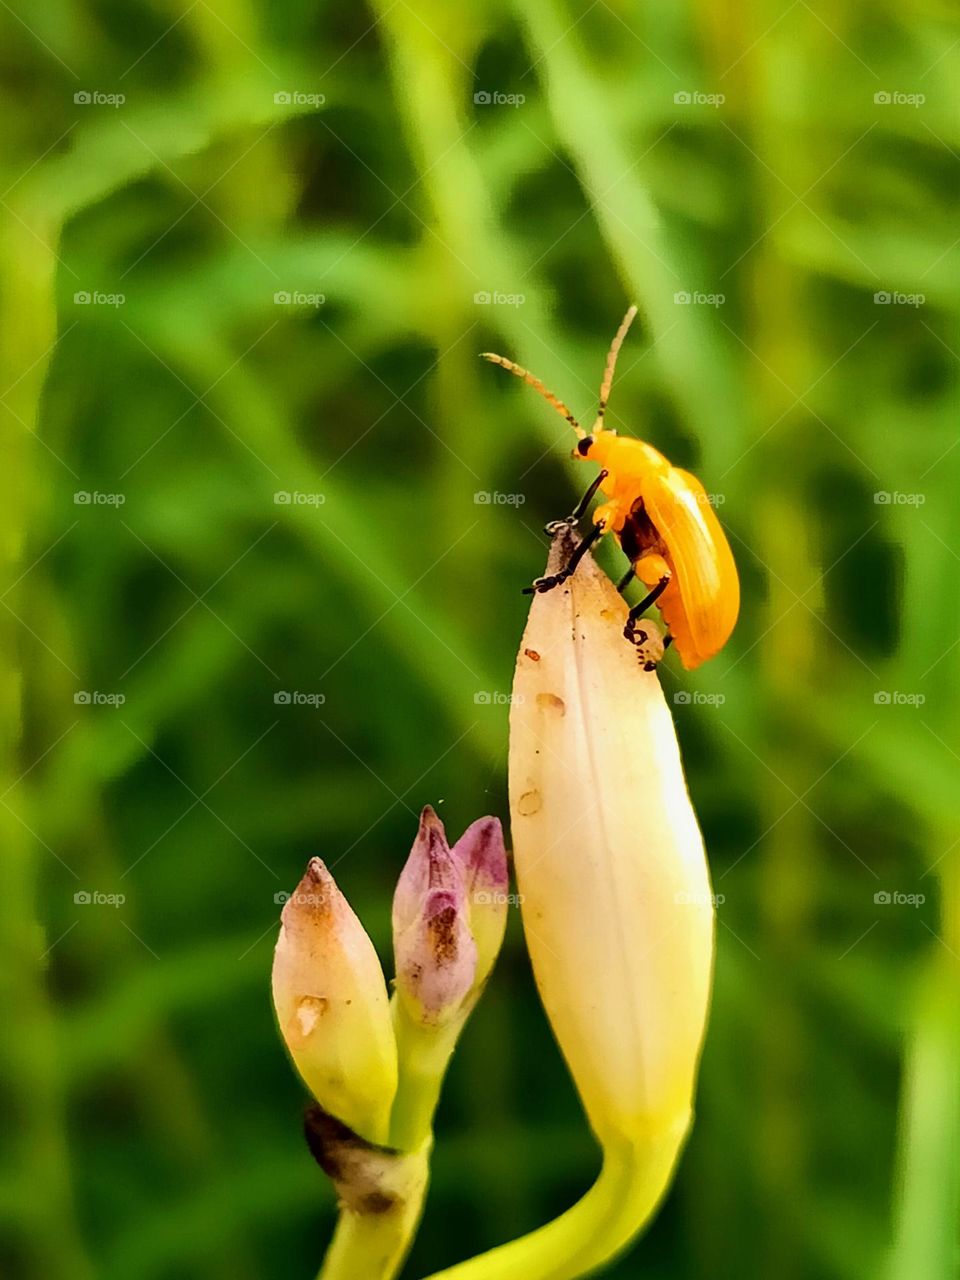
<point x="610" y="862"/>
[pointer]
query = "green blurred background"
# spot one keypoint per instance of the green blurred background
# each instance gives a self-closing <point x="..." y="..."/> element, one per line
<point x="336" y="151"/>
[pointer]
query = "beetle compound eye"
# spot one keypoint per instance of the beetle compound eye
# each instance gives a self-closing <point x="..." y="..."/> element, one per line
<point x="584" y="446"/>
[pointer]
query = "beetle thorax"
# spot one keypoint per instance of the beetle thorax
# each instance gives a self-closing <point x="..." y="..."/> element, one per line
<point x="624" y="456"/>
<point x="628" y="462"/>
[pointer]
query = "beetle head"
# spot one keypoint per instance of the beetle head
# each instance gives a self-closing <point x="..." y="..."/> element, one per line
<point x="596" y="446"/>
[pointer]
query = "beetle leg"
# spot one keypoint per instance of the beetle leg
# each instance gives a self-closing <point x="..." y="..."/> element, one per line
<point x="587" y="498"/>
<point x="627" y="578"/>
<point x="638" y="609"/>
<point x="556" y="525"/>
<point x="547" y="584"/>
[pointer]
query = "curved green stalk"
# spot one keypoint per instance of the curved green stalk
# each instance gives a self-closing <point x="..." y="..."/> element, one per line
<point x="633" y="1179"/>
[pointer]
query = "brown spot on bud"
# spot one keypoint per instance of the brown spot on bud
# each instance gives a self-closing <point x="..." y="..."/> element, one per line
<point x="529" y="803"/>
<point x="329" y="1140"/>
<point x="551" y="702"/>
<point x="377" y="1202"/>
<point x="444" y="935"/>
<point x="369" y="1179"/>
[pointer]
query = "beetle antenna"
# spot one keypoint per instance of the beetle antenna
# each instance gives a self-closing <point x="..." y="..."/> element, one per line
<point x="614" y="351"/>
<point x="537" y="385"/>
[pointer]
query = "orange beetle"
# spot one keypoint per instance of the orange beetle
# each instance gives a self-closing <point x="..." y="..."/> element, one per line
<point x="664" y="522"/>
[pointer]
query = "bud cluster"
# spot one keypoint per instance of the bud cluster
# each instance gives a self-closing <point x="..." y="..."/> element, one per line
<point x="329" y="992"/>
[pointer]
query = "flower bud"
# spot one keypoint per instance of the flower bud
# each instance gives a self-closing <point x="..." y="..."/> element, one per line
<point x="331" y="1002"/>
<point x="449" y="914"/>
<point x="482" y="860"/>
<point x="610" y="862"/>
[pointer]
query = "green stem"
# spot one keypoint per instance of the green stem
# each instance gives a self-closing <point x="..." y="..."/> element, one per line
<point x="633" y="1179"/>
<point x="424" y="1055"/>
<point x="373" y="1243"/>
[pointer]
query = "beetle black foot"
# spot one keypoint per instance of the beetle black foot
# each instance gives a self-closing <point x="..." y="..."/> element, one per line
<point x="539" y="585"/>
<point x="648" y="643"/>
<point x="636" y="635"/>
<point x="557" y="526"/>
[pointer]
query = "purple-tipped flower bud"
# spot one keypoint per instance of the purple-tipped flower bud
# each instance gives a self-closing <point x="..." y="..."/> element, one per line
<point x="429" y="866"/>
<point x="436" y="959"/>
<point x="449" y="913"/>
<point x="483" y="863"/>
<point x="332" y="1007"/>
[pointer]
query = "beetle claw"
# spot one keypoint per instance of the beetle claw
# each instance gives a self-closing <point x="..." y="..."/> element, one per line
<point x="557" y="526"/>
<point x="647" y="641"/>
<point x="539" y="585"/>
